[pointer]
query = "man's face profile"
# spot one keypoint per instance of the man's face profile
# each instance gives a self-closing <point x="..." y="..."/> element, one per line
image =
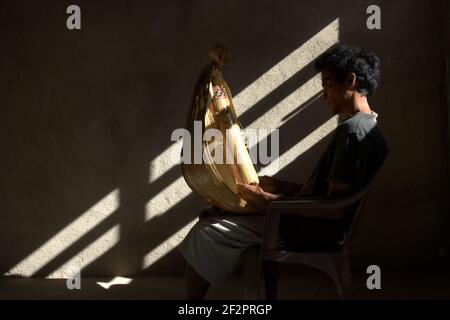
<point x="331" y="94"/>
<point x="336" y="92"/>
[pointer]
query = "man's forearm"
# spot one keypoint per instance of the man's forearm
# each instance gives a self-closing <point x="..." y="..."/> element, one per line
<point x="269" y="197"/>
<point x="312" y="213"/>
<point x="288" y="187"/>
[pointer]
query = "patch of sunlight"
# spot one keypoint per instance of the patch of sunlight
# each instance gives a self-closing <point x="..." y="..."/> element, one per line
<point x="89" y="254"/>
<point x="276" y="115"/>
<point x="114" y="282"/>
<point x="168" y="197"/>
<point x="164" y="161"/>
<point x="67" y="236"/>
<point x="167" y="245"/>
<point x="302" y="146"/>
<point x="288" y="67"/>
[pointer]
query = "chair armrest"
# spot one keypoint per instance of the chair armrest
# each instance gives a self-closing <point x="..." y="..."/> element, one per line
<point x="310" y="207"/>
<point x="316" y="202"/>
<point x="319" y="208"/>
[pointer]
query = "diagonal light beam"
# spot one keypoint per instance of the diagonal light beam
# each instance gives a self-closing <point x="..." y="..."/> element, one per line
<point x="287" y="67"/>
<point x="67" y="236"/>
<point x="85" y="257"/>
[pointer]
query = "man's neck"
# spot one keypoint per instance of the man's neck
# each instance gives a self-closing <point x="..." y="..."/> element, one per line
<point x="358" y="103"/>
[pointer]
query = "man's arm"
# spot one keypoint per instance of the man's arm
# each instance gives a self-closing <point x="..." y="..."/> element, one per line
<point x="290" y="187"/>
<point x="336" y="189"/>
<point x="273" y="185"/>
<point x="260" y="198"/>
<point x="254" y="194"/>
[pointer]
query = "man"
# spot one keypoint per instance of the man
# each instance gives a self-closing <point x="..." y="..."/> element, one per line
<point x="214" y="246"/>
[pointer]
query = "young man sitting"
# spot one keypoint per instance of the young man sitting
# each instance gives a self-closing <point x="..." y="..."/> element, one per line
<point x="214" y="246"/>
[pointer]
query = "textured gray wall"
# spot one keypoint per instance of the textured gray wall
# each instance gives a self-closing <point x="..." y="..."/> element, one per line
<point x="86" y="113"/>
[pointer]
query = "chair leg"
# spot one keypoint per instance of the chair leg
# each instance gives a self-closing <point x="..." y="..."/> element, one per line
<point x="258" y="282"/>
<point x="335" y="276"/>
<point x="345" y="270"/>
<point x="343" y="276"/>
<point x="250" y="265"/>
<point x="270" y="279"/>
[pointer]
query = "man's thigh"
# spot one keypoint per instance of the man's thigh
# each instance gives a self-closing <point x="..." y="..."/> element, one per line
<point x="253" y="223"/>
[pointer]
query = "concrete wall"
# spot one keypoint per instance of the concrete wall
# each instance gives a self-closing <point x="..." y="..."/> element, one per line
<point x="87" y="117"/>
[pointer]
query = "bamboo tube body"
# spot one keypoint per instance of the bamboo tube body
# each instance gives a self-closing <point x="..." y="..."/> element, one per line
<point x="226" y="161"/>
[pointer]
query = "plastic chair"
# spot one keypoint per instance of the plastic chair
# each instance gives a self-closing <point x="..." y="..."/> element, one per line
<point x="336" y="263"/>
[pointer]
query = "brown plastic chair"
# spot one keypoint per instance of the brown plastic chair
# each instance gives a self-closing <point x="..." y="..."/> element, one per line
<point x="335" y="263"/>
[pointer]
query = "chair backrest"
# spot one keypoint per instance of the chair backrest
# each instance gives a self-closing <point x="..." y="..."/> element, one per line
<point x="354" y="210"/>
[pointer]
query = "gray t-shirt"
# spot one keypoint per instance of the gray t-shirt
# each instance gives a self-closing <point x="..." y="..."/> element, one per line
<point x="353" y="156"/>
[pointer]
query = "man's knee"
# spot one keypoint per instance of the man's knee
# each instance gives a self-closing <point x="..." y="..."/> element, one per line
<point x="209" y="212"/>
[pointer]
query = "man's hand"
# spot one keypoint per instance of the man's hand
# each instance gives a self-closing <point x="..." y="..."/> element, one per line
<point x="255" y="195"/>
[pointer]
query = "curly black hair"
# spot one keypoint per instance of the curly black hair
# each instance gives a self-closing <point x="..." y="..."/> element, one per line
<point x="342" y="60"/>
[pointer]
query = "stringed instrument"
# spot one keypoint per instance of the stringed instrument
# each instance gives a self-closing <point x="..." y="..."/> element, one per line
<point x="224" y="162"/>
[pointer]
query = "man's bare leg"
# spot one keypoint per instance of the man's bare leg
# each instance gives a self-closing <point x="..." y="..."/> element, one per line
<point x="196" y="286"/>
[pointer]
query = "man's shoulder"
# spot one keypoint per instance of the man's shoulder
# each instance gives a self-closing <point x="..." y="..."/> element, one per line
<point x="360" y="124"/>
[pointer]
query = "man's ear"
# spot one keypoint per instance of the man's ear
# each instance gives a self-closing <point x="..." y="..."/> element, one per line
<point x="351" y="81"/>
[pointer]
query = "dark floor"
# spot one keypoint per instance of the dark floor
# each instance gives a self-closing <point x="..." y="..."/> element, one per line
<point x="302" y="284"/>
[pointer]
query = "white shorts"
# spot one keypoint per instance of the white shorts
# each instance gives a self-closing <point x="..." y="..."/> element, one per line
<point x="215" y="244"/>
